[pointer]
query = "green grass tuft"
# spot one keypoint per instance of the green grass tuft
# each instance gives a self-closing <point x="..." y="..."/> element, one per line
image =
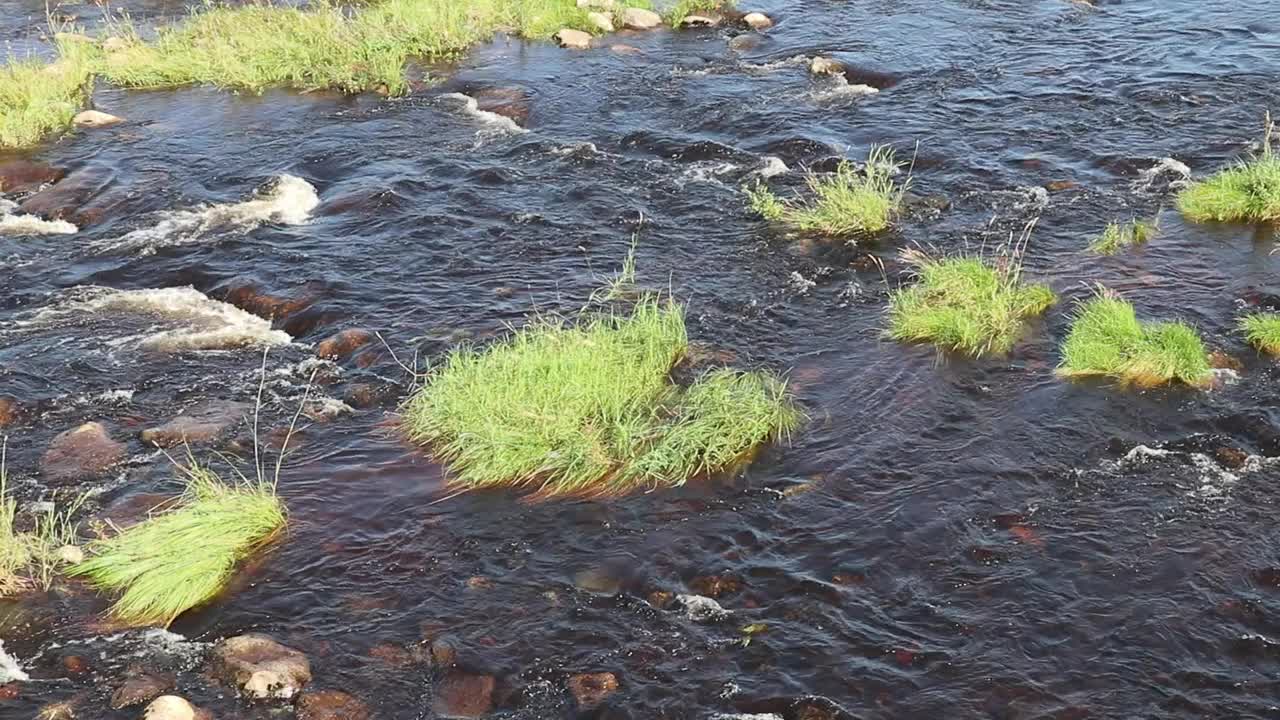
<point x="1107" y="339"/>
<point x="966" y="304"/>
<point x="845" y="203"/>
<point x="1262" y="330"/>
<point x="1119" y="236"/>
<point x="685" y="8"/>
<point x="1248" y="192"/>
<point x="588" y="408"/>
<point x="30" y="559"/>
<point x="38" y="100"/>
<point x="184" y="556"/>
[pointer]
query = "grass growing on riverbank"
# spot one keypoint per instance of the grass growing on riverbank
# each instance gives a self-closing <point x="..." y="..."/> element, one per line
<point x="38" y="99"/>
<point x="587" y="408"/>
<point x="1107" y="339"/>
<point x="846" y="203"/>
<point x="971" y="305"/>
<point x="1120" y="236"/>
<point x="1247" y="192"/>
<point x="184" y="556"/>
<point x="1262" y="330"/>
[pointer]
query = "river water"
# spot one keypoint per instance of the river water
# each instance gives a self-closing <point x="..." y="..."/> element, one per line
<point x="954" y="538"/>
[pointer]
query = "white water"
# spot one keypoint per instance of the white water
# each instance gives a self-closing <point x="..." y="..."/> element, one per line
<point x="287" y="200"/>
<point x="14" y="223"/>
<point x="10" y="671"/>
<point x="490" y="120"/>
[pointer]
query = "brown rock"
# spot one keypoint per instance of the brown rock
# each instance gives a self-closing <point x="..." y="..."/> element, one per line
<point x="95" y="119"/>
<point x="713" y="586"/>
<point x="9" y="410"/>
<point x="1233" y="458"/>
<point x="1222" y="361"/>
<point x="624" y="49"/>
<point x="330" y="705"/>
<point x="510" y="101"/>
<point x="393" y="655"/>
<point x="10" y="691"/>
<point x="85" y="452"/>
<point x="661" y="599"/>
<point x="1059" y="185"/>
<point x="26" y="176"/>
<point x="573" y="39"/>
<point x="140" y="689"/>
<point x="260" y="666"/>
<point x="62" y="200"/>
<point x="250" y="297"/>
<point x="757" y="21"/>
<point x="591" y="689"/>
<point x="444" y="652"/>
<point x="462" y="695"/>
<point x="198" y="425"/>
<point x="344" y="343"/>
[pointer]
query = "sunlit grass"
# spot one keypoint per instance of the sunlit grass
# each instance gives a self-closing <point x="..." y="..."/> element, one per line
<point x="1262" y="330"/>
<point x="1120" y="236"/>
<point x="30" y="559"/>
<point x="1107" y="339"/>
<point x="1247" y="192"/>
<point x="846" y="203"/>
<point x="587" y="408"/>
<point x="184" y="556"/>
<point x="972" y="305"/>
<point x="684" y="8"/>
<point x="38" y="100"/>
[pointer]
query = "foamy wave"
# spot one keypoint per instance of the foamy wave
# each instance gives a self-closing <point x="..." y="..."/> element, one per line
<point x="491" y="120"/>
<point x="203" y="323"/>
<point x="838" y="88"/>
<point x="773" y="166"/>
<point x="10" y="670"/>
<point x="286" y="199"/>
<point x="14" y="223"/>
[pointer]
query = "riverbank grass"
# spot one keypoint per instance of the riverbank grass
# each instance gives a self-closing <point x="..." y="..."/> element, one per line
<point x="684" y="8"/>
<point x="184" y="556"/>
<point x="1108" y="340"/>
<point x="38" y="99"/>
<point x="587" y="408"/>
<point x="1247" y="192"/>
<point x="1262" y="330"/>
<point x="969" y="305"/>
<point x="30" y="559"/>
<point x="846" y="203"/>
<point x="1121" y="236"/>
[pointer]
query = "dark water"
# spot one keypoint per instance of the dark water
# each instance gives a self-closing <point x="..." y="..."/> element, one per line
<point x="954" y="539"/>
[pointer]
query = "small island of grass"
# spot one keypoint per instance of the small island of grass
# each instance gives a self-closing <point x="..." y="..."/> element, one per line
<point x="1121" y="236"/>
<point x="587" y="408"/>
<point x="1262" y="330"/>
<point x="1247" y="192"/>
<point x="1108" y="340"/>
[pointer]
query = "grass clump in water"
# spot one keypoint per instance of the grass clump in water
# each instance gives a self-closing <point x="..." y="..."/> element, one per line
<point x="970" y="305"/>
<point x="1248" y="192"/>
<point x="845" y="203"/>
<point x="29" y="559"/>
<point x="1262" y="330"/>
<point x="182" y="557"/>
<point x="1107" y="339"/>
<point x="587" y="408"/>
<point x="1119" y="236"/>
<point x="685" y="8"/>
<point x="38" y="99"/>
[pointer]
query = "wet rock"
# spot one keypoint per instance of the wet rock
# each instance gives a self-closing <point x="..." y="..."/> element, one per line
<point x="512" y="102"/>
<point x="140" y="689"/>
<point x="172" y="707"/>
<point x="9" y="410"/>
<point x="1059" y="185"/>
<point x="261" y="667"/>
<point x="75" y="665"/>
<point x="304" y="322"/>
<point x="702" y="609"/>
<point x="600" y="21"/>
<point x="624" y="49"/>
<point x="699" y="21"/>
<point x="640" y="19"/>
<point x="661" y="599"/>
<point x="444" y="652"/>
<point x="366" y="395"/>
<point x="573" y="39"/>
<point x="757" y="21"/>
<point x="198" y="425"/>
<point x="82" y="453"/>
<point x="825" y="66"/>
<point x="95" y="119"/>
<point x="393" y="655"/>
<point x="714" y="586"/>
<point x="462" y="695"/>
<point x="343" y="343"/>
<point x="61" y="201"/>
<point x="26" y="176"/>
<point x="330" y="705"/>
<point x="252" y="298"/>
<point x="1232" y="458"/>
<point x="1222" y="361"/>
<point x="9" y="691"/>
<point x="744" y="42"/>
<point x="591" y="689"/>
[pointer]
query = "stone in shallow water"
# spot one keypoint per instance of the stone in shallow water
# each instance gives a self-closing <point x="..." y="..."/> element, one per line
<point x="462" y="695"/>
<point x="24" y="176"/>
<point x="140" y="689"/>
<point x="96" y="119"/>
<point x="573" y="39"/>
<point x="201" y="424"/>
<point x="825" y="66"/>
<point x="591" y="689"/>
<point x="343" y="343"/>
<point x="330" y="705"/>
<point x="80" y="454"/>
<point x="757" y="21"/>
<point x="261" y="667"/>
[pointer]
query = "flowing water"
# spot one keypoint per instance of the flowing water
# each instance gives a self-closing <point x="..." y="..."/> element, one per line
<point x="960" y="539"/>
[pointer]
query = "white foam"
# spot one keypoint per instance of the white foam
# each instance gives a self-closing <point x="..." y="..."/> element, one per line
<point x="793" y="61"/>
<point x="702" y="609"/>
<point x="839" y="88"/>
<point x="1180" y="174"/>
<point x="15" y="223"/>
<point x="287" y="200"/>
<point x="203" y="323"/>
<point x="773" y="167"/>
<point x="490" y="119"/>
<point x="10" y="670"/>
<point x="705" y="171"/>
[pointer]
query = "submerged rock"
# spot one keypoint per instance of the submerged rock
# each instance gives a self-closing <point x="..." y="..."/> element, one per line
<point x="9" y="411"/>
<point x="261" y="667"/>
<point x="462" y="695"/>
<point x="95" y="119"/>
<point x="330" y="705"/>
<point x="702" y="609"/>
<point x="573" y="39"/>
<point x="343" y="343"/>
<point x="511" y="102"/>
<point x="64" y="199"/>
<point x="26" y="176"/>
<point x="640" y="19"/>
<point x="591" y="689"/>
<point x="139" y="689"/>
<point x="757" y="21"/>
<point x="81" y="453"/>
<point x="200" y="425"/>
